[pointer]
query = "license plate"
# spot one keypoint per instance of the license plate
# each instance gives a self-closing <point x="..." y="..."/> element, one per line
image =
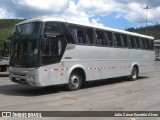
<point x="18" y="79"/>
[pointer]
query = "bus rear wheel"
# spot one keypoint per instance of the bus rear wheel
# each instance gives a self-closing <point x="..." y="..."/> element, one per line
<point x="75" y="81"/>
<point x="134" y="74"/>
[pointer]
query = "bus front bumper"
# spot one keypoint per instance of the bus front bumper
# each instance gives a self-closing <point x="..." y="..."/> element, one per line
<point x="29" y="80"/>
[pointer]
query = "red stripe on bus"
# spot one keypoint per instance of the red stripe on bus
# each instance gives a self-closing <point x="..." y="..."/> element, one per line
<point x="100" y="68"/>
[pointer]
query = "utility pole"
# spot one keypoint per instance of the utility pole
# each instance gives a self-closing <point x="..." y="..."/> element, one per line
<point x="146" y="8"/>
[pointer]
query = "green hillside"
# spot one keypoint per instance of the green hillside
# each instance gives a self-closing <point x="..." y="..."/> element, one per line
<point x="151" y="31"/>
<point x="8" y="23"/>
<point x="6" y="26"/>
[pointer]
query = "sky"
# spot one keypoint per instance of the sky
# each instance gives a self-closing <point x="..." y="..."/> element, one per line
<point x="119" y="14"/>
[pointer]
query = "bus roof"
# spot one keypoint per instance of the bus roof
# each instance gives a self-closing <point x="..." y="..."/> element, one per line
<point x="83" y="24"/>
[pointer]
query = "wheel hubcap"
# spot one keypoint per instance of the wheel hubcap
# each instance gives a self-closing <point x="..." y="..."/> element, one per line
<point x="134" y="74"/>
<point x="74" y="81"/>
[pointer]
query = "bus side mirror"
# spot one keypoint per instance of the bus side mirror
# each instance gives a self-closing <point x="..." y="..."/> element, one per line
<point x="70" y="46"/>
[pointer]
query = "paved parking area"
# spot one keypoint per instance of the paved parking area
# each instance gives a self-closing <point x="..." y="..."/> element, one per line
<point x="118" y="94"/>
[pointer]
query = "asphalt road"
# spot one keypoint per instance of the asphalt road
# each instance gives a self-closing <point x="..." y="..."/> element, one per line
<point x="118" y="94"/>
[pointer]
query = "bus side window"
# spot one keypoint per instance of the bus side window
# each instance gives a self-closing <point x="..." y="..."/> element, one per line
<point x="80" y="39"/>
<point x="147" y="44"/>
<point x="125" y="40"/>
<point x="140" y="43"/>
<point x="80" y="36"/>
<point x="107" y="38"/>
<point x="67" y="33"/>
<point x="151" y="44"/>
<point x="132" y="42"/>
<point x="118" y="40"/>
<point x="137" y="42"/>
<point x="143" y="43"/>
<point x="110" y="38"/>
<point x="100" y="39"/>
<point x="90" y="35"/>
<point x="79" y="33"/>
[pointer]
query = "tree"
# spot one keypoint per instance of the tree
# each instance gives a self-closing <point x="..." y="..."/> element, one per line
<point x="4" y="43"/>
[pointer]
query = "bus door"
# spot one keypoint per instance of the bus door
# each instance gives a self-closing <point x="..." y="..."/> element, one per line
<point x="53" y="47"/>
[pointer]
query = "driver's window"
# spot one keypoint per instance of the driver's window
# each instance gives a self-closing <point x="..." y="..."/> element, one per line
<point x="49" y="47"/>
<point x="53" y="43"/>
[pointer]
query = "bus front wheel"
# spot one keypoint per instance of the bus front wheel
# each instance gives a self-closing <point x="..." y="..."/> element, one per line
<point x="134" y="74"/>
<point x="75" y="81"/>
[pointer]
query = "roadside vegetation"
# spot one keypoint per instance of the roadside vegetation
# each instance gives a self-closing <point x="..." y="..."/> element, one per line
<point x="6" y="26"/>
<point x="151" y="31"/>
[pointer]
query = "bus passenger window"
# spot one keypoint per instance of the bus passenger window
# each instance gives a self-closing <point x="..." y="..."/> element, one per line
<point x="67" y="34"/>
<point x="143" y="43"/>
<point x="80" y="40"/>
<point x="132" y="42"/>
<point x="107" y="39"/>
<point x="100" y="39"/>
<point x="125" y="40"/>
<point x="151" y="44"/>
<point x="110" y="38"/>
<point x="80" y="36"/>
<point x="147" y="44"/>
<point x="137" y="42"/>
<point x="79" y="33"/>
<point x="140" y="44"/>
<point x="118" y="40"/>
<point x="90" y="35"/>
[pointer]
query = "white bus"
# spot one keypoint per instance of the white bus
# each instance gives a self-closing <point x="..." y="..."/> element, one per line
<point x="52" y="51"/>
<point x="157" y="49"/>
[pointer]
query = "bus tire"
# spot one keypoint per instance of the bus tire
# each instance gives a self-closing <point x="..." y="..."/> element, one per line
<point x="75" y="81"/>
<point x="134" y="74"/>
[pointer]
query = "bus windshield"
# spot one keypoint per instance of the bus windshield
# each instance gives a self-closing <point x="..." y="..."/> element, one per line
<point x="25" y="44"/>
